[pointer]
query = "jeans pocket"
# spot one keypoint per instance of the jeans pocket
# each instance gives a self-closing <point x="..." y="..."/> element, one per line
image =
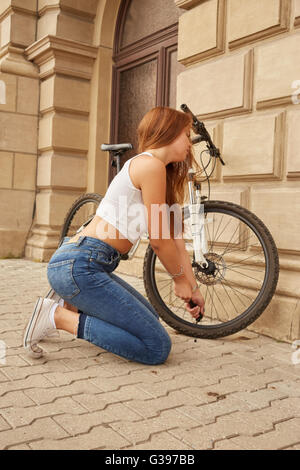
<point x="104" y="262"/>
<point x="60" y="277"/>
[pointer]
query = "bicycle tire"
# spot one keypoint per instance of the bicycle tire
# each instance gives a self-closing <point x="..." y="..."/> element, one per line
<point x="76" y="206"/>
<point x="226" y="328"/>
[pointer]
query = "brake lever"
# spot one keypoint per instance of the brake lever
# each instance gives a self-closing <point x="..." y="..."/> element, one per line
<point x="203" y="134"/>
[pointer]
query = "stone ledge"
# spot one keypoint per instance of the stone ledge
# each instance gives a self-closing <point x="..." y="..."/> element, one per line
<point x="12" y="61"/>
<point x="297" y="13"/>
<point x="17" y="9"/>
<point x="37" y="49"/>
<point x="187" y="4"/>
<point x="56" y="55"/>
<point x="88" y="9"/>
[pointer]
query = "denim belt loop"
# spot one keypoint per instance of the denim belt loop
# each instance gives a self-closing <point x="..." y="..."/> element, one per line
<point x="80" y="240"/>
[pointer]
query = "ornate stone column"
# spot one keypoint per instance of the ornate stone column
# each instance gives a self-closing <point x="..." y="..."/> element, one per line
<point x="65" y="57"/>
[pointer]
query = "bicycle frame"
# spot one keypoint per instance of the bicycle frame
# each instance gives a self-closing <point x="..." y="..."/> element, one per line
<point x="196" y="210"/>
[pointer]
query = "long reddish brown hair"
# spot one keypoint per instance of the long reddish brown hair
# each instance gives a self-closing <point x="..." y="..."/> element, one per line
<point x="158" y="128"/>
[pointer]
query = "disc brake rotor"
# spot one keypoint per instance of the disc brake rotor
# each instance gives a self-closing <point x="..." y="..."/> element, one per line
<point x="213" y="273"/>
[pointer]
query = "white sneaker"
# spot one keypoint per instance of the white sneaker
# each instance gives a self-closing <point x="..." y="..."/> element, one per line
<point x="38" y="326"/>
<point x="51" y="294"/>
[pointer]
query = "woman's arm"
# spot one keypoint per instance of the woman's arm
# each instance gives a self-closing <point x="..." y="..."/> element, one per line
<point x="185" y="261"/>
<point x="152" y="180"/>
<point x="196" y="296"/>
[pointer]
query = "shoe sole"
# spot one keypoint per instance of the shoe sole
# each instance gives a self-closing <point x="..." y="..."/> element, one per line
<point x="30" y="329"/>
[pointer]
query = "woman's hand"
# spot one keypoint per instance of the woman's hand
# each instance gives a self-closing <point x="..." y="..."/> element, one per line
<point x="198" y="299"/>
<point x="183" y="288"/>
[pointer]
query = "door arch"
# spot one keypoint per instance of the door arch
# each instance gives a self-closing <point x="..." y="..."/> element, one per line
<point x="145" y="64"/>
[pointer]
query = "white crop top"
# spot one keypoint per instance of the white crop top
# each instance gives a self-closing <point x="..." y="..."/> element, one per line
<point x="122" y="205"/>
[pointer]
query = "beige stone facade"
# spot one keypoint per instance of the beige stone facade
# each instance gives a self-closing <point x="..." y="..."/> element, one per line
<point x="241" y="76"/>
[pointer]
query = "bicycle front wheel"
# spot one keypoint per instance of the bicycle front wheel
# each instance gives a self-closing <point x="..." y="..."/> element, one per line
<point x="79" y="214"/>
<point x="238" y="283"/>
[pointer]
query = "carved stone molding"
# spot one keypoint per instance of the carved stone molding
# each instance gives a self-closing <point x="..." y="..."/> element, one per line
<point x="187" y="4"/>
<point x="281" y="26"/>
<point x="297" y="22"/>
<point x="57" y="55"/>
<point x="274" y="103"/>
<point x="293" y="138"/>
<point x="297" y="13"/>
<point x="17" y="9"/>
<point x="12" y="61"/>
<point x="81" y="12"/>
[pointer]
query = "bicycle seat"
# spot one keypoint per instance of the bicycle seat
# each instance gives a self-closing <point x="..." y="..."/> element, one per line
<point x="116" y="147"/>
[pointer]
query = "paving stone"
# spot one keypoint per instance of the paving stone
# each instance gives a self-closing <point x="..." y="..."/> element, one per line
<point x="142" y="430"/>
<point x="160" y="441"/>
<point x="240" y="392"/>
<point x="42" y="428"/>
<point x="283" y="436"/>
<point x="99" y="437"/>
<point x="15" y="398"/>
<point x="19" y="416"/>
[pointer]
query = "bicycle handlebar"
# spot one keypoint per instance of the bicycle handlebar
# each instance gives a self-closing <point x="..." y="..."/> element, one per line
<point x="200" y="129"/>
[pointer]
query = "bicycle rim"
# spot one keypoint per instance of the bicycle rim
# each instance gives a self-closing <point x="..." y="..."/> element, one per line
<point x="81" y="213"/>
<point x="239" y="282"/>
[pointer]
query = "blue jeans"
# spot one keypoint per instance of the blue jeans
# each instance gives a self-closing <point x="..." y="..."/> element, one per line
<point x="114" y="315"/>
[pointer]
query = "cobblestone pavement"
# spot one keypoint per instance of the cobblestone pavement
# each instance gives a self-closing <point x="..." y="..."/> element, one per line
<point x="241" y="392"/>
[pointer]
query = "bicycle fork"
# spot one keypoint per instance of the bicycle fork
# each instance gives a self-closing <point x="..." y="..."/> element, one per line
<point x="197" y="223"/>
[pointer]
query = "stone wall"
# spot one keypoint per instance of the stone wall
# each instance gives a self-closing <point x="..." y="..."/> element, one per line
<point x="73" y="53"/>
<point x="55" y="76"/>
<point x="242" y="59"/>
<point x="19" y="98"/>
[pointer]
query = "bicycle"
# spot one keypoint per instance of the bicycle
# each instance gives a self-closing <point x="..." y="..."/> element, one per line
<point x="233" y="254"/>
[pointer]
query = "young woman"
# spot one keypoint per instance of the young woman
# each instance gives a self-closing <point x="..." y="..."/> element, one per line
<point x="88" y="299"/>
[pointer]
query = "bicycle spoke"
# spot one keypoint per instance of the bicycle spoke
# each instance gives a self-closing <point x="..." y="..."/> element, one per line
<point x="233" y="278"/>
<point x="249" y="257"/>
<point x="230" y="299"/>
<point x="250" y="277"/>
<point x="236" y="290"/>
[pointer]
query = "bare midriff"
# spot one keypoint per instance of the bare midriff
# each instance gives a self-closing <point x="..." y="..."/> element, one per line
<point x="99" y="228"/>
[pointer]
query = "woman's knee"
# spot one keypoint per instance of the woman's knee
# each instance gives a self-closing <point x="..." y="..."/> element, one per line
<point x="161" y="355"/>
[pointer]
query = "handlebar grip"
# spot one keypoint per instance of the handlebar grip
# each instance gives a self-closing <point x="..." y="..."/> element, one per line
<point x="192" y="305"/>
